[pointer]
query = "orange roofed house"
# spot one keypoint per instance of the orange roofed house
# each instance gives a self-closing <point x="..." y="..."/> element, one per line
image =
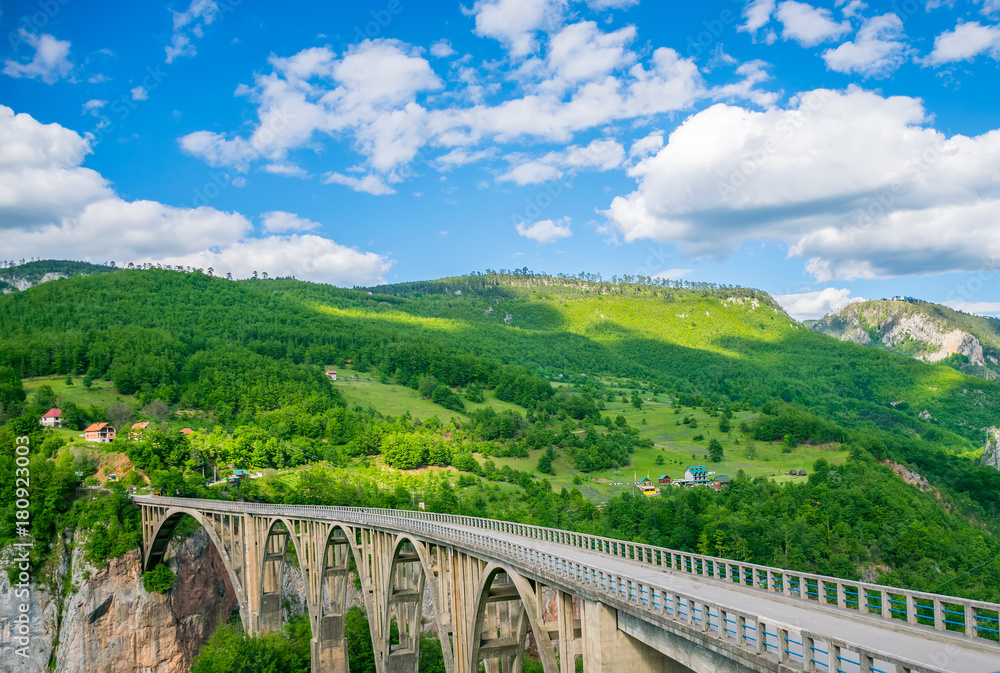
<point x="99" y="432"/>
<point x="51" y="418"/>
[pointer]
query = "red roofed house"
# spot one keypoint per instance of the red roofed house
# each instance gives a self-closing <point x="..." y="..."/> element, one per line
<point x="51" y="418"/>
<point x="139" y="428"/>
<point x="332" y="374"/>
<point x="186" y="431"/>
<point x="99" y="432"/>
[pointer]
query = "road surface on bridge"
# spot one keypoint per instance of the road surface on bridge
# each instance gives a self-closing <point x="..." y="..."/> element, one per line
<point x="923" y="645"/>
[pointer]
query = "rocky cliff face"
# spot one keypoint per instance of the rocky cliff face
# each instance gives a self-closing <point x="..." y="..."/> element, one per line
<point x="921" y="330"/>
<point x="111" y="624"/>
<point x="991" y="451"/>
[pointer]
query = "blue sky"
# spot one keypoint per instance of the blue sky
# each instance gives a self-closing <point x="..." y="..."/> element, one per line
<point x="821" y="152"/>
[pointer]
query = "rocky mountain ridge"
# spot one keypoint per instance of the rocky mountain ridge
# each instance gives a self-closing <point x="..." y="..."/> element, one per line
<point x="922" y="330"/>
<point x="20" y="277"/>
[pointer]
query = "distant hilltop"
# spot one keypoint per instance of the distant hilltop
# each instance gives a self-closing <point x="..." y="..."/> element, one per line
<point x="922" y="330"/>
<point x="19" y="276"/>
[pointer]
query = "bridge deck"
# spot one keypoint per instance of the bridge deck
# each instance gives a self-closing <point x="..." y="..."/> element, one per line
<point x="922" y="645"/>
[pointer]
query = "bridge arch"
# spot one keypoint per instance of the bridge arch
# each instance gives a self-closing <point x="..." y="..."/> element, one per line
<point x="506" y="610"/>
<point x="327" y="594"/>
<point x="162" y="533"/>
<point x="273" y="559"/>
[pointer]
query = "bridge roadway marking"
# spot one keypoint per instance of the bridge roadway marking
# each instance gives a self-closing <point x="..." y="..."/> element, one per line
<point x="953" y="653"/>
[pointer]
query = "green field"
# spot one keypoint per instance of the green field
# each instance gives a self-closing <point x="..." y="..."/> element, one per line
<point x="392" y="399"/>
<point x="676" y="444"/>
<point x="101" y="393"/>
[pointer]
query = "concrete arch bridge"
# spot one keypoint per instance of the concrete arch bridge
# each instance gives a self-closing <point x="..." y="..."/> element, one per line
<point x="617" y="606"/>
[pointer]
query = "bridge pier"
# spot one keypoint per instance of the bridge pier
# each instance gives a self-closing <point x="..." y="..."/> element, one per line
<point x="329" y="649"/>
<point x="607" y="649"/>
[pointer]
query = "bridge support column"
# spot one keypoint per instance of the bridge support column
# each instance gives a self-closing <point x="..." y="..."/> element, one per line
<point x="606" y="649"/>
<point x="329" y="647"/>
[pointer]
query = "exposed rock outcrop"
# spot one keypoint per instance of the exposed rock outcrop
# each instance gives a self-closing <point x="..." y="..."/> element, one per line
<point x="991" y="451"/>
<point x="113" y="625"/>
<point x="922" y="330"/>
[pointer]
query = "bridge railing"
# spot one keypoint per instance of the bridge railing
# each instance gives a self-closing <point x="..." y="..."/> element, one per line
<point x="977" y="620"/>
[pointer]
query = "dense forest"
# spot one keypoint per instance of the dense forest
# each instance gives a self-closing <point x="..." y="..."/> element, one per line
<point x="245" y="361"/>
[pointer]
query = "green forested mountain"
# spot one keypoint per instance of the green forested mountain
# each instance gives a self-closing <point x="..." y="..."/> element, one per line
<point x="922" y="330"/>
<point x="242" y="362"/>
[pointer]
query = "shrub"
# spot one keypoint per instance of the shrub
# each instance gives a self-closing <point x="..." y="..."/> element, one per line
<point x="160" y="579"/>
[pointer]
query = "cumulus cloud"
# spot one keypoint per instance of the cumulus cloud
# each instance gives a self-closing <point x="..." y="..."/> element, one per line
<point x="877" y="50"/>
<point x="50" y="62"/>
<point x="896" y="197"/>
<point x="809" y="25"/>
<point x="190" y="23"/>
<point x="140" y="93"/>
<point x="384" y="98"/>
<point x="756" y="15"/>
<point x="545" y="231"/>
<point x="600" y="5"/>
<point x="52" y="206"/>
<point x="369" y="92"/>
<point x="643" y="147"/>
<point x="372" y="184"/>
<point x="672" y="274"/>
<point x="967" y="41"/>
<point x="601" y="155"/>
<point x="515" y="23"/>
<point x="814" y="305"/>
<point x="280" y="222"/>
<point x="307" y="257"/>
<point x="442" y="49"/>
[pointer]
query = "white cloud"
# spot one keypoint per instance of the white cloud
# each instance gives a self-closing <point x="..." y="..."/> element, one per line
<point x="967" y="41"/>
<point x="384" y="98"/>
<point x="672" y="274"/>
<point x="918" y="202"/>
<point x="139" y="93"/>
<point x="643" y="147"/>
<point x="977" y="307"/>
<point x="99" y="78"/>
<point x="851" y="9"/>
<point x="515" y="22"/>
<point x="94" y="104"/>
<point x="815" y="305"/>
<point x="53" y="207"/>
<point x="369" y="92"/>
<point x="442" y="49"/>
<point x="372" y="184"/>
<point x="582" y="52"/>
<point x="545" y="231"/>
<point x="280" y="222"/>
<point x="756" y="15"/>
<point x="287" y="169"/>
<point x="50" y="62"/>
<point x="877" y="51"/>
<point x="809" y="25"/>
<point x="600" y="5"/>
<point x="460" y="157"/>
<point x="531" y="173"/>
<point x="601" y="155"/>
<point x="190" y="23"/>
<point x="307" y="257"/>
